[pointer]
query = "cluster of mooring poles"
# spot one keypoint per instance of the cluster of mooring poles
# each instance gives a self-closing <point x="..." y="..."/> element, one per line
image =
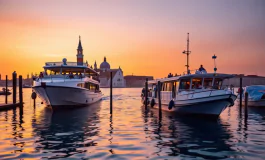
<point x="241" y="98"/>
<point x="158" y="96"/>
<point x="14" y="104"/>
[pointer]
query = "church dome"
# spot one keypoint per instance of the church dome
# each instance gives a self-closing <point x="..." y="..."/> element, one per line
<point x="105" y="64"/>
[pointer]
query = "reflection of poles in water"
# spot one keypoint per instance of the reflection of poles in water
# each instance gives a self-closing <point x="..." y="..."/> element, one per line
<point x="6" y="89"/>
<point x="110" y="92"/>
<point x="145" y="116"/>
<point x="110" y="132"/>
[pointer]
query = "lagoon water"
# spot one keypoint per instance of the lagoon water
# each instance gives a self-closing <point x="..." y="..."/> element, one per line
<point x="130" y="133"/>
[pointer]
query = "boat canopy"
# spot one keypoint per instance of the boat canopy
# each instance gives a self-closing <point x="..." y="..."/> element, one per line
<point x="189" y="76"/>
<point x="69" y="67"/>
<point x="255" y="92"/>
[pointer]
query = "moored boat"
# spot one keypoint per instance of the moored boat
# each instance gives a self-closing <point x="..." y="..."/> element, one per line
<point x="198" y="93"/>
<point x="194" y="94"/>
<point x="26" y="86"/>
<point x="68" y="84"/>
<point x="5" y="92"/>
<point x="256" y="95"/>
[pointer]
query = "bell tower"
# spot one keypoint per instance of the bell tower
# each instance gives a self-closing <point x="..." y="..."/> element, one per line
<point x="95" y="65"/>
<point x="79" y="54"/>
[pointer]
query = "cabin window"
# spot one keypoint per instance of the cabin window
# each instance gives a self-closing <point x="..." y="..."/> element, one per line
<point x="196" y="83"/>
<point x="207" y="83"/>
<point x="184" y="84"/>
<point x="174" y="88"/>
<point x="217" y="83"/>
<point x="167" y="86"/>
<point x="82" y="85"/>
<point x="92" y="87"/>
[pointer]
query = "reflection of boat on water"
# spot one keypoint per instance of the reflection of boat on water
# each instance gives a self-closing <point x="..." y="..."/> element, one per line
<point x="187" y="136"/>
<point x="66" y="132"/>
<point x="4" y="92"/>
<point x="256" y="95"/>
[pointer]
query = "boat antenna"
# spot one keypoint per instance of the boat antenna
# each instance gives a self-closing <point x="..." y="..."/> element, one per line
<point x="187" y="52"/>
<point x="214" y="58"/>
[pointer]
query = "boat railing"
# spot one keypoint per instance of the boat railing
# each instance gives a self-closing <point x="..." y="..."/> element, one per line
<point x="194" y="71"/>
<point x="64" y="64"/>
<point x="65" y="77"/>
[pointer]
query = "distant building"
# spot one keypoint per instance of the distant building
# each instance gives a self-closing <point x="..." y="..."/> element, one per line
<point x="104" y="76"/>
<point x="246" y="80"/>
<point x="136" y="81"/>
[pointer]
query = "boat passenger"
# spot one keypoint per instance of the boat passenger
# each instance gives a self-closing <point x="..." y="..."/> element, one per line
<point x="80" y="75"/>
<point x="201" y="69"/>
<point x="71" y="75"/>
<point x="41" y="75"/>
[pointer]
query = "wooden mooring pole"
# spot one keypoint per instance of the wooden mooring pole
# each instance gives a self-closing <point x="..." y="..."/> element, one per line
<point x="159" y="99"/>
<point x="246" y="104"/>
<point x="6" y="89"/>
<point x="110" y="92"/>
<point x="14" y="87"/>
<point x="240" y="93"/>
<point x="146" y="93"/>
<point x="20" y="91"/>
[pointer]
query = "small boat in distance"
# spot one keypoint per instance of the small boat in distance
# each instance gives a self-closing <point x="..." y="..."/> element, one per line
<point x="26" y="86"/>
<point x="68" y="83"/>
<point x="256" y="95"/>
<point x="4" y="92"/>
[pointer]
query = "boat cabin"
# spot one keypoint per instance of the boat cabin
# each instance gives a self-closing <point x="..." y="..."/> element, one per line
<point x="69" y="71"/>
<point x="188" y="83"/>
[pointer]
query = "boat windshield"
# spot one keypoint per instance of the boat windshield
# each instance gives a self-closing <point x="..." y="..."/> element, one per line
<point x="184" y="84"/>
<point x="196" y="83"/>
<point x="217" y="83"/>
<point x="207" y="84"/>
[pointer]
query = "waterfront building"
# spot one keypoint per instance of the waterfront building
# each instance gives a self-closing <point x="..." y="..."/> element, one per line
<point x="247" y="80"/>
<point x="104" y="70"/>
<point x="133" y="81"/>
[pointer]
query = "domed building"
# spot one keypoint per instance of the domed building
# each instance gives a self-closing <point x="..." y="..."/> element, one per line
<point x="104" y="65"/>
<point x="104" y="70"/>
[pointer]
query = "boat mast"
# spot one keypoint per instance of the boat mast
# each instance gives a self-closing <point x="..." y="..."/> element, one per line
<point x="187" y="52"/>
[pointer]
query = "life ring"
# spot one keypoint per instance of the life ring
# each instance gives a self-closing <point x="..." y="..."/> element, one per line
<point x="148" y="101"/>
<point x="152" y="103"/>
<point x="171" y="104"/>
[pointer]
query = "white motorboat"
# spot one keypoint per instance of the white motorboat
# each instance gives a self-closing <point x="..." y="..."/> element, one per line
<point x="198" y="93"/>
<point x="193" y="93"/>
<point x="64" y="89"/>
<point x="69" y="83"/>
<point x="256" y="95"/>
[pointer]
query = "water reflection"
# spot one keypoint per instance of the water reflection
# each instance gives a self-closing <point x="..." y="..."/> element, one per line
<point x="130" y="133"/>
<point x="66" y="132"/>
<point x="188" y="137"/>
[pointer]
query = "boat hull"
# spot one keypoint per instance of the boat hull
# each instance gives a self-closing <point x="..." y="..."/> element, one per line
<point x="60" y="97"/>
<point x="211" y="106"/>
<point x="260" y="103"/>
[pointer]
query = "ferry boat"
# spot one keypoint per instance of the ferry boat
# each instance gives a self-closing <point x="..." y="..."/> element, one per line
<point x="193" y="93"/>
<point x="68" y="83"/>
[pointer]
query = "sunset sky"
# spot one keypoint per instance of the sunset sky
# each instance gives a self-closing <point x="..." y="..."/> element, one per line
<point x="143" y="37"/>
